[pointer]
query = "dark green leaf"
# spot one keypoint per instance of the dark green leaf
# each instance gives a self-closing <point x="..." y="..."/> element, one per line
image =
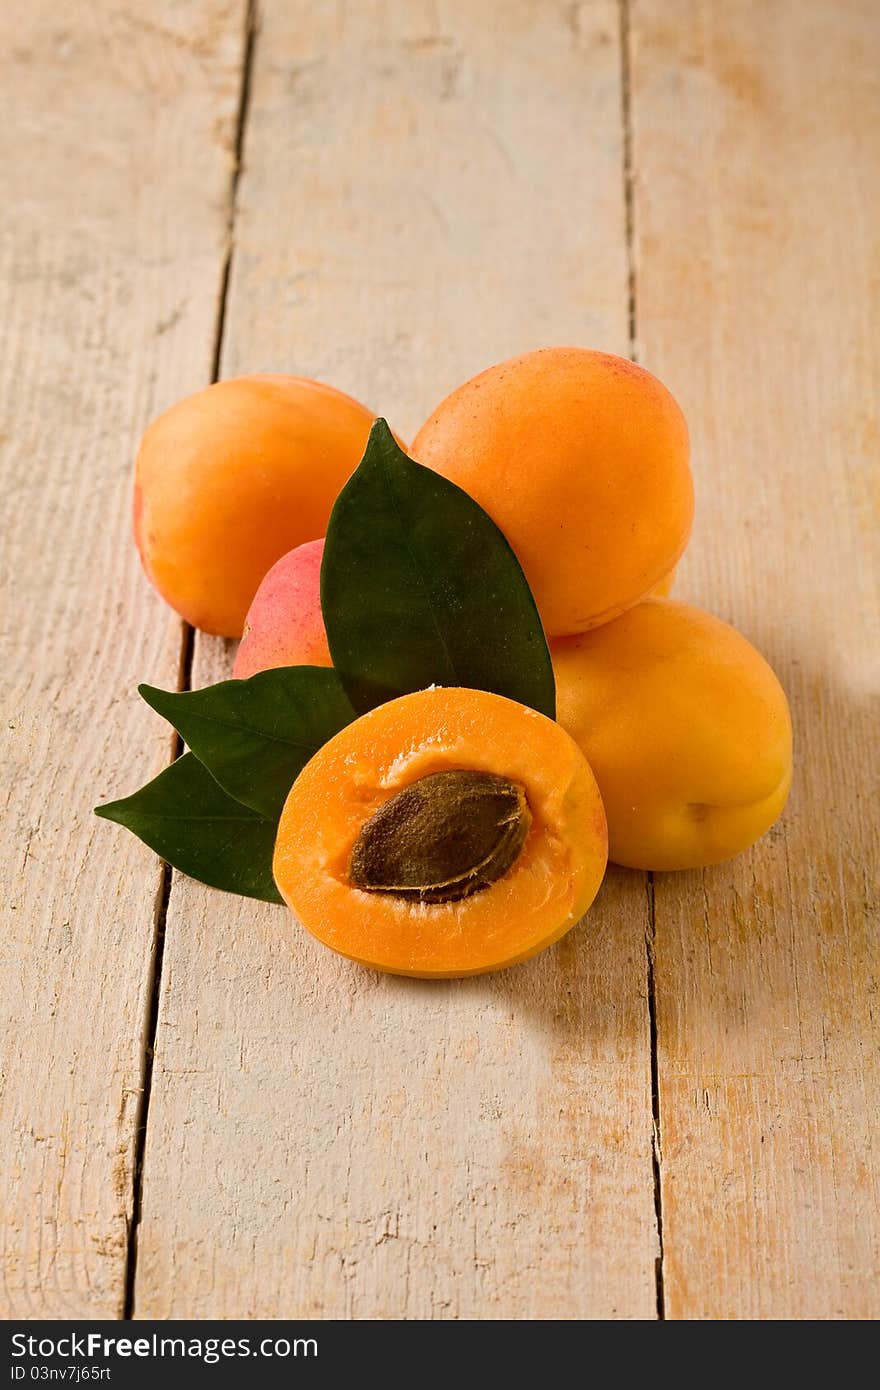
<point x="187" y="818"/>
<point x="419" y="587"/>
<point x="255" y="736"/>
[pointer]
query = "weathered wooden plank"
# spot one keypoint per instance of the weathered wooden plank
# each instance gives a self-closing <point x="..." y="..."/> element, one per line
<point x="114" y="191"/>
<point x="756" y="217"/>
<point x="324" y="1140"/>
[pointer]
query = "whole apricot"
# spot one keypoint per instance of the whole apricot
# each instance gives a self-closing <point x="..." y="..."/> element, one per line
<point x="284" y="625"/>
<point x="581" y="458"/>
<point x="448" y="832"/>
<point x="230" y="479"/>
<point x="665" y="586"/>
<point x="686" y="728"/>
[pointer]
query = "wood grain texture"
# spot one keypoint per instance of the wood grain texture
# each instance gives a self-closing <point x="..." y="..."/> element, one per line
<point x="114" y="187"/>
<point x="425" y="190"/>
<point x="756" y="214"/>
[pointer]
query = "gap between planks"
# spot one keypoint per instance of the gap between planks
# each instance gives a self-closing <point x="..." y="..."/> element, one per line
<point x="632" y="311"/>
<point x="184" y="682"/>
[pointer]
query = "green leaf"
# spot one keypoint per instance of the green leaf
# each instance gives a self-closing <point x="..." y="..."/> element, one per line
<point x="256" y="736"/>
<point x="187" y="818"/>
<point x="419" y="587"/>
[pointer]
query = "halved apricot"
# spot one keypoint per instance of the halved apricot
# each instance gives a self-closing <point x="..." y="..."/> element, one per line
<point x="448" y="832"/>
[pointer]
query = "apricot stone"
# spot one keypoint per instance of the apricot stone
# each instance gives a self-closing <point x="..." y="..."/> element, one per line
<point x="230" y="479"/>
<point x="448" y="832"/>
<point x="443" y="837"/>
<point x="284" y="626"/>
<point x="686" y="728"/>
<point x="581" y="458"/>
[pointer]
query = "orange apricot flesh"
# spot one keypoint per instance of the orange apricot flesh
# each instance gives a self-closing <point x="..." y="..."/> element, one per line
<point x="686" y="728"/>
<point x="394" y="747"/>
<point x="230" y="479"/>
<point x="581" y="458"/>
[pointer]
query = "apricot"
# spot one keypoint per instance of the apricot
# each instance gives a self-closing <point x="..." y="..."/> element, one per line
<point x="581" y="458"/>
<point x="448" y="832"/>
<point x="230" y="479"/>
<point x="665" y="586"/>
<point x="686" y="728"/>
<point x="284" y="626"/>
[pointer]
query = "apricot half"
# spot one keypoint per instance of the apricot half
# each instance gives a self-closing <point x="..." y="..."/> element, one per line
<point x="448" y="832"/>
<point x="581" y="458"/>
<point x="229" y="479"/>
<point x="686" y="728"/>
<point x="284" y="625"/>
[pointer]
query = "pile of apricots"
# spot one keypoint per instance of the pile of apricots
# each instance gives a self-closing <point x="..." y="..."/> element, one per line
<point x="453" y="831"/>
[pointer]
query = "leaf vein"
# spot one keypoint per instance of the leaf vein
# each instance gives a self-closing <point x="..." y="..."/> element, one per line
<point x="257" y="733"/>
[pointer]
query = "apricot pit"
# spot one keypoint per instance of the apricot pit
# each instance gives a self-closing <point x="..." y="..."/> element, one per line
<point x="445" y="836"/>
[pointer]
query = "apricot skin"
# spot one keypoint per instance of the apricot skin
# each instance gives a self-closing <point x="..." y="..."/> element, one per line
<point x="284" y="626"/>
<point x="230" y="479"/>
<point x="581" y="458"/>
<point x="664" y="588"/>
<point x="686" y="728"/>
<point x="543" y="894"/>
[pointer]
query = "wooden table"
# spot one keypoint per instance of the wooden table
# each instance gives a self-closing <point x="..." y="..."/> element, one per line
<point x="674" y="1112"/>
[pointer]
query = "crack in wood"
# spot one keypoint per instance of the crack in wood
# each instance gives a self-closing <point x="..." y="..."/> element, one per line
<point x="656" y="1135"/>
<point x="629" y="215"/>
<point x="628" y="172"/>
<point x="244" y="98"/>
<point x="187" y="648"/>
